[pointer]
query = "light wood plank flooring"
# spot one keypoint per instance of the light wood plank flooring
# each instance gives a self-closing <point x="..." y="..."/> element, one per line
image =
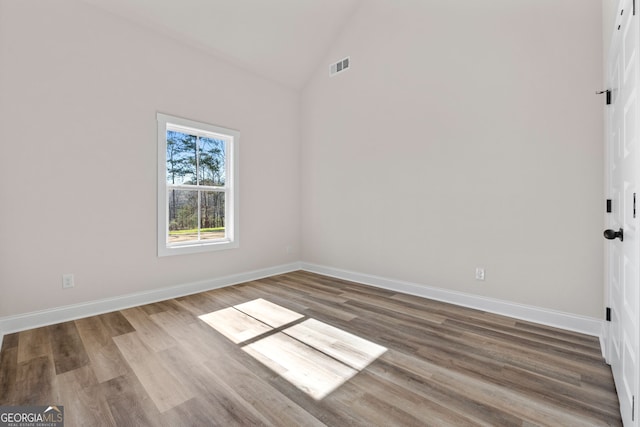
<point x="241" y="356"/>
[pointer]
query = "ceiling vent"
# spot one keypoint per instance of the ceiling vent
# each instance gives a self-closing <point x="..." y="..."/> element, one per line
<point x="339" y="66"/>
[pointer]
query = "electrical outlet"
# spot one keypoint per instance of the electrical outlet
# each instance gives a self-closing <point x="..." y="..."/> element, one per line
<point x="479" y="273"/>
<point x="67" y="281"/>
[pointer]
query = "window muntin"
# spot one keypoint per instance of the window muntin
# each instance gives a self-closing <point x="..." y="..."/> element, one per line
<point x="197" y="202"/>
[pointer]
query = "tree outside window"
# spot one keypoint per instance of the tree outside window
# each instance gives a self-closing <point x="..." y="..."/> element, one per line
<point x="198" y="184"/>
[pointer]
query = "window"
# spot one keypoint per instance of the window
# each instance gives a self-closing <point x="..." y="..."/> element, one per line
<point x="197" y="192"/>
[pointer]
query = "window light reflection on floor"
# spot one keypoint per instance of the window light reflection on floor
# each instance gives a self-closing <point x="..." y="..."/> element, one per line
<point x="312" y="355"/>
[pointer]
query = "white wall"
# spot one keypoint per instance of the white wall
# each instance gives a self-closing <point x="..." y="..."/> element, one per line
<point x="79" y="92"/>
<point x="465" y="134"/>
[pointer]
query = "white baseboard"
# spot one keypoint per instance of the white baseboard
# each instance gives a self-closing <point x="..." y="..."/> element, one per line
<point x="52" y="316"/>
<point x="571" y="322"/>
<point x="558" y="319"/>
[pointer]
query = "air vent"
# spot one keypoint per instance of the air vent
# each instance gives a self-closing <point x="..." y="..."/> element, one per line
<point x="339" y="66"/>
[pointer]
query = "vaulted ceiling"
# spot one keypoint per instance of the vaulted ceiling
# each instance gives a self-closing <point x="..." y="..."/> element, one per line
<point x="284" y="40"/>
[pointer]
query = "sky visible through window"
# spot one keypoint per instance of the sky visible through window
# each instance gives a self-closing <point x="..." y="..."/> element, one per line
<point x="195" y="161"/>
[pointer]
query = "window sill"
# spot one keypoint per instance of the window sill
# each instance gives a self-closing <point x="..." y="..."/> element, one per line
<point x="197" y="248"/>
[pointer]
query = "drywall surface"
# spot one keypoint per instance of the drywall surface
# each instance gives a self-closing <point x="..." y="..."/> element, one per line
<point x="464" y="135"/>
<point x="79" y="93"/>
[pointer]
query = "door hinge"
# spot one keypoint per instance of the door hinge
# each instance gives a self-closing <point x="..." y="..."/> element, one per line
<point x="607" y="93"/>
<point x="608" y="205"/>
<point x="633" y="408"/>
<point x="608" y="314"/>
<point x="634" y="205"/>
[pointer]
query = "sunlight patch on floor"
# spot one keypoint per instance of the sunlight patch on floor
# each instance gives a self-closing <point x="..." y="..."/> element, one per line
<point x="308" y="369"/>
<point x="235" y="325"/>
<point x="312" y="355"/>
<point x="268" y="312"/>
<point x="349" y="349"/>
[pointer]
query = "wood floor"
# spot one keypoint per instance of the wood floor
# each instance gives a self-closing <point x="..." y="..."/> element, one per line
<point x="221" y="358"/>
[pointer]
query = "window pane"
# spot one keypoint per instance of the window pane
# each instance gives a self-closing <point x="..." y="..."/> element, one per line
<point x="183" y="215"/>
<point x="212" y="219"/>
<point x="181" y="158"/>
<point x="212" y="161"/>
<point x="199" y="162"/>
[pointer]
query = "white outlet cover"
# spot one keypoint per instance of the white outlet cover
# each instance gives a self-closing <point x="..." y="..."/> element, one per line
<point x="67" y="281"/>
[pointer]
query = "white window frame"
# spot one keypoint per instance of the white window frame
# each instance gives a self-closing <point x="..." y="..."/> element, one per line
<point x="230" y="188"/>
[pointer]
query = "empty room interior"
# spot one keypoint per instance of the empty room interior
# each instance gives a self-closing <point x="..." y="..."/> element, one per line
<point x="320" y="212"/>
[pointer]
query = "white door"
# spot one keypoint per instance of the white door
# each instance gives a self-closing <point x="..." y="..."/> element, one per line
<point x="623" y="254"/>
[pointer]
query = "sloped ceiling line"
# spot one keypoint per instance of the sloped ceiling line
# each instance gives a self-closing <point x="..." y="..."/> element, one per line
<point x="283" y="40"/>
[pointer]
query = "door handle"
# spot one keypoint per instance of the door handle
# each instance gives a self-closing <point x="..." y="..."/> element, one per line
<point x="612" y="234"/>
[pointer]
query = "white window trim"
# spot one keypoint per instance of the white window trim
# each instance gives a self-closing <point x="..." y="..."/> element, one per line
<point x="232" y="216"/>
